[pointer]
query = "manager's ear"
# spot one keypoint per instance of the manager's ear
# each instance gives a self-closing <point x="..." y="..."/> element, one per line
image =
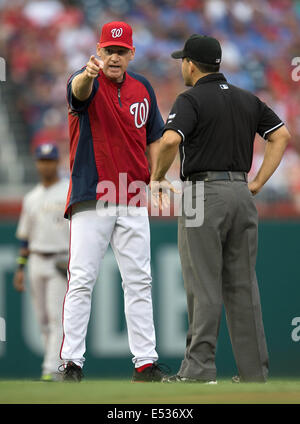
<point x="132" y="54"/>
<point x="99" y="50"/>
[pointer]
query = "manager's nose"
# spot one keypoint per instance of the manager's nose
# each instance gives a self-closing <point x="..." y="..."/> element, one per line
<point x="115" y="57"/>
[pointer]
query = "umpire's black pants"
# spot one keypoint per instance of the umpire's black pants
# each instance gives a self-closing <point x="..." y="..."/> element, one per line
<point x="218" y="263"/>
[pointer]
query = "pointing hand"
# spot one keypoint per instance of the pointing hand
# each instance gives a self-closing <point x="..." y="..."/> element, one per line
<point x="93" y="67"/>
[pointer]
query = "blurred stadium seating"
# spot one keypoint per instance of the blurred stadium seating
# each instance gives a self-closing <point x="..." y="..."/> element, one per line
<point x="44" y="42"/>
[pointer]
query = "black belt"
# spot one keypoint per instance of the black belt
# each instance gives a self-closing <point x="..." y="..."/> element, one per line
<point x="49" y="254"/>
<point x="218" y="176"/>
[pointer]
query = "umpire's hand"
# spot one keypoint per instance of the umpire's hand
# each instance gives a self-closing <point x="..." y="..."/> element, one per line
<point x="254" y="187"/>
<point x="160" y="192"/>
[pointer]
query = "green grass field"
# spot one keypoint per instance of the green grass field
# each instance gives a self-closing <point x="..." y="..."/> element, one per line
<point x="125" y="392"/>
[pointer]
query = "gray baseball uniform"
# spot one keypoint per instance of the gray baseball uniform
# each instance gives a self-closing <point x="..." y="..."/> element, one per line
<point x="42" y="223"/>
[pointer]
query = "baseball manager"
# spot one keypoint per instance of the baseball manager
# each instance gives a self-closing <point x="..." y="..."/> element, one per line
<point x="114" y="121"/>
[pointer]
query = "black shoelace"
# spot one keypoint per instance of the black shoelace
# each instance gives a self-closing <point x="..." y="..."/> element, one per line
<point x="67" y="369"/>
<point x="61" y="368"/>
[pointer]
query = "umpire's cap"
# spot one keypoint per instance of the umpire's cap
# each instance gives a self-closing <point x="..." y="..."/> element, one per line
<point x="201" y="48"/>
<point x="46" y="151"/>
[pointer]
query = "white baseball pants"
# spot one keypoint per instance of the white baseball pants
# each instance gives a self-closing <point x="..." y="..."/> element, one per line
<point x="47" y="287"/>
<point x="129" y="237"/>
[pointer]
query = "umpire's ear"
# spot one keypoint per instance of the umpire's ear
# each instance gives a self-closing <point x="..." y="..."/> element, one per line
<point x="192" y="67"/>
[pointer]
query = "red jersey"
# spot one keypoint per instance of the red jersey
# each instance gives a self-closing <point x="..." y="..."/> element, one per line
<point x="109" y="133"/>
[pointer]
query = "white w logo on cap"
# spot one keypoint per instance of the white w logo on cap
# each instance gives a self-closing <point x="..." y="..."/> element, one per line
<point x="116" y="32"/>
<point x="46" y="149"/>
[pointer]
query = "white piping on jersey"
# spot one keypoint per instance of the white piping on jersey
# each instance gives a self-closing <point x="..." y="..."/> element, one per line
<point x="183" y="152"/>
<point x="271" y="129"/>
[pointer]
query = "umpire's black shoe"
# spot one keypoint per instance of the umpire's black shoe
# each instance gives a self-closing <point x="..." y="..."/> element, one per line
<point x="177" y="379"/>
<point x="149" y="374"/>
<point x="72" y="373"/>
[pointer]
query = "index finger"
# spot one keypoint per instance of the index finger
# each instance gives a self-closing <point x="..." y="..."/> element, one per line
<point x="175" y="190"/>
<point x="94" y="60"/>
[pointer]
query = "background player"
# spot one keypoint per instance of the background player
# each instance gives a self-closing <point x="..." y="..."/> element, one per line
<point x="44" y="236"/>
<point x="114" y="120"/>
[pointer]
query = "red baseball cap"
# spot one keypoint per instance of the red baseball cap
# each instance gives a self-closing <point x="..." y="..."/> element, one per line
<point x="116" y="34"/>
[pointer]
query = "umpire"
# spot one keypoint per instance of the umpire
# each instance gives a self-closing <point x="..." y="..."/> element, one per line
<point x="214" y="124"/>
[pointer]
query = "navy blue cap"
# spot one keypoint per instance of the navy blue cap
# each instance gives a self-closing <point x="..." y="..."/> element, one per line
<point x="46" y="151"/>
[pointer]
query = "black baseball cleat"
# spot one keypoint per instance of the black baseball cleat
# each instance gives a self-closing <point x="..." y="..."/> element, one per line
<point x="150" y="374"/>
<point x="72" y="373"/>
<point x="177" y="379"/>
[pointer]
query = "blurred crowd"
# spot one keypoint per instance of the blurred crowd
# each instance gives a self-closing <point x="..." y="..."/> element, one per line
<point x="45" y="41"/>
